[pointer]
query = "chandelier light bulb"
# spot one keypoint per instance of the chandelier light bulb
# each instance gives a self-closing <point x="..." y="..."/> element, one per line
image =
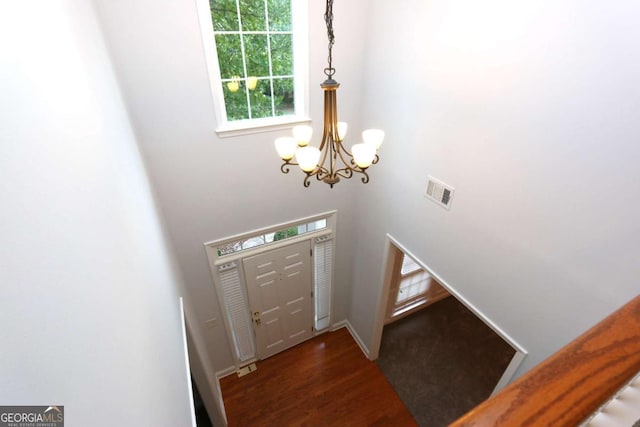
<point x="363" y="154"/>
<point x="286" y="147"/>
<point x="302" y="134"/>
<point x="373" y="136"/>
<point x="307" y="158"/>
<point x="342" y="130"/>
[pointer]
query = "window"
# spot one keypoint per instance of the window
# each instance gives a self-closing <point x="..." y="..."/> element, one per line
<point x="414" y="281"/>
<point x="257" y="67"/>
<point x="411" y="287"/>
<point x="274" y="236"/>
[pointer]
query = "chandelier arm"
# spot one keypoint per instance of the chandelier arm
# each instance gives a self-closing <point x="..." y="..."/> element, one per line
<point x="306" y="182"/>
<point x="344" y="150"/>
<point x="320" y="173"/>
<point x="375" y="159"/>
<point x="350" y="160"/>
<point x="345" y="172"/>
<point x="284" y="168"/>
<point x="321" y="169"/>
<point x="348" y="173"/>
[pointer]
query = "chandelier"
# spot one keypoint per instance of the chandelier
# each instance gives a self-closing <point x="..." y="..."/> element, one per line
<point x="331" y="160"/>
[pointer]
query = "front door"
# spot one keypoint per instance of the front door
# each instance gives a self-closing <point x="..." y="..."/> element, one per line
<point x="279" y="289"/>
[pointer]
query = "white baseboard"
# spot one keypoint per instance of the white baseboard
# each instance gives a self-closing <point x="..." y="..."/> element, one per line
<point x="354" y="335"/>
<point x="225" y="372"/>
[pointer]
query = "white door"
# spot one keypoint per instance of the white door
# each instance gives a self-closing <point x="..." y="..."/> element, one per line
<point x="279" y="289"/>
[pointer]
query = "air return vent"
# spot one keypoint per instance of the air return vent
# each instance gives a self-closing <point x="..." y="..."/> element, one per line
<point x="439" y="192"/>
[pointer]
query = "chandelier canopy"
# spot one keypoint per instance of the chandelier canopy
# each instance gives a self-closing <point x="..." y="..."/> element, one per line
<point x="331" y="160"/>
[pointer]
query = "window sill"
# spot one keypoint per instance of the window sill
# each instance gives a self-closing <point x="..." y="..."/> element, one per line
<point x="248" y="127"/>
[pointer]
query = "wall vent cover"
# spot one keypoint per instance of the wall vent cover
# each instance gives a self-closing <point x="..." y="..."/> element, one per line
<point x="439" y="192"/>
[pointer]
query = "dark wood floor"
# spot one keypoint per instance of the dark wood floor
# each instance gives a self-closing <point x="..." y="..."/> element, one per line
<point x="326" y="381"/>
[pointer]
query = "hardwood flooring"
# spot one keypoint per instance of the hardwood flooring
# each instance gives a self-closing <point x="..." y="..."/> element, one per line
<point x="326" y="381"/>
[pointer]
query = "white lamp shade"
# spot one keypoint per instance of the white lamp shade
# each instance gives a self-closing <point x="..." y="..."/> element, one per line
<point x="373" y="136"/>
<point x="286" y="147"/>
<point x="363" y="154"/>
<point x="342" y="130"/>
<point x="307" y="158"/>
<point x="302" y="134"/>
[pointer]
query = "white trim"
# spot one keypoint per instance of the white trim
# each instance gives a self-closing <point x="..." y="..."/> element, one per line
<point x="508" y="373"/>
<point x="225" y="372"/>
<point x="346" y="324"/>
<point x="382" y="300"/>
<point x="211" y="246"/>
<point x="211" y="57"/>
<point x="208" y="379"/>
<point x="419" y="305"/>
<point x="300" y="29"/>
<point x="273" y="124"/>
<point x="220" y="397"/>
<point x="183" y="325"/>
<point x="383" y="297"/>
<point x="245" y="253"/>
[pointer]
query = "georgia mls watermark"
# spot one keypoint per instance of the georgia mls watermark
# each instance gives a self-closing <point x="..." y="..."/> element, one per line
<point x="32" y="416"/>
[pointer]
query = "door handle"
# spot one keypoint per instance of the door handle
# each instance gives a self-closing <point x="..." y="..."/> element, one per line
<point x="256" y="317"/>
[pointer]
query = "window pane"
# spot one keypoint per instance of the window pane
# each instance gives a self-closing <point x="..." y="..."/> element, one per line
<point x="279" y="15"/>
<point x="283" y="96"/>
<point x="321" y="223"/>
<point x="408" y="265"/>
<point x="280" y="235"/>
<point x="253" y="17"/>
<point x="235" y="102"/>
<point x="229" y="55"/>
<point x="282" y="54"/>
<point x="255" y="48"/>
<point x="261" y="100"/>
<point x="413" y="286"/>
<point x="224" y="15"/>
<point x="229" y="248"/>
<point x="253" y="242"/>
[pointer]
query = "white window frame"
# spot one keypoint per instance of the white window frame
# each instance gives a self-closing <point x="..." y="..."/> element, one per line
<point x="226" y="128"/>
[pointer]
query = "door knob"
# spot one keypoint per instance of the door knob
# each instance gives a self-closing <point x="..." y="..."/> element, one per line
<point x="256" y="317"/>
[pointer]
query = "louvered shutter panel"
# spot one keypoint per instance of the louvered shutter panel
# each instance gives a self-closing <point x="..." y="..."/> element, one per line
<point x="238" y="311"/>
<point x="323" y="268"/>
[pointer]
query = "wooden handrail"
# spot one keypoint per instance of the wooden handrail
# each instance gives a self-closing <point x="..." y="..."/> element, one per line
<point x="571" y="384"/>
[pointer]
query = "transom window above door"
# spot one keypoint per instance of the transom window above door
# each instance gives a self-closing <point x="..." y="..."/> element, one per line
<point x="257" y="53"/>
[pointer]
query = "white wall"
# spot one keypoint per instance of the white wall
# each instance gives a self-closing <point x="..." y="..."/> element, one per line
<point x="89" y="309"/>
<point x="208" y="187"/>
<point x="529" y="109"/>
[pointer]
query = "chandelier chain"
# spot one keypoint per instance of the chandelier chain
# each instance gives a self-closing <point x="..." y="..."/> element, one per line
<point x="328" y="19"/>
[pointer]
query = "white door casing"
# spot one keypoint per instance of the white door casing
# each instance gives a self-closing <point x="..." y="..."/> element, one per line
<point x="279" y="289"/>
